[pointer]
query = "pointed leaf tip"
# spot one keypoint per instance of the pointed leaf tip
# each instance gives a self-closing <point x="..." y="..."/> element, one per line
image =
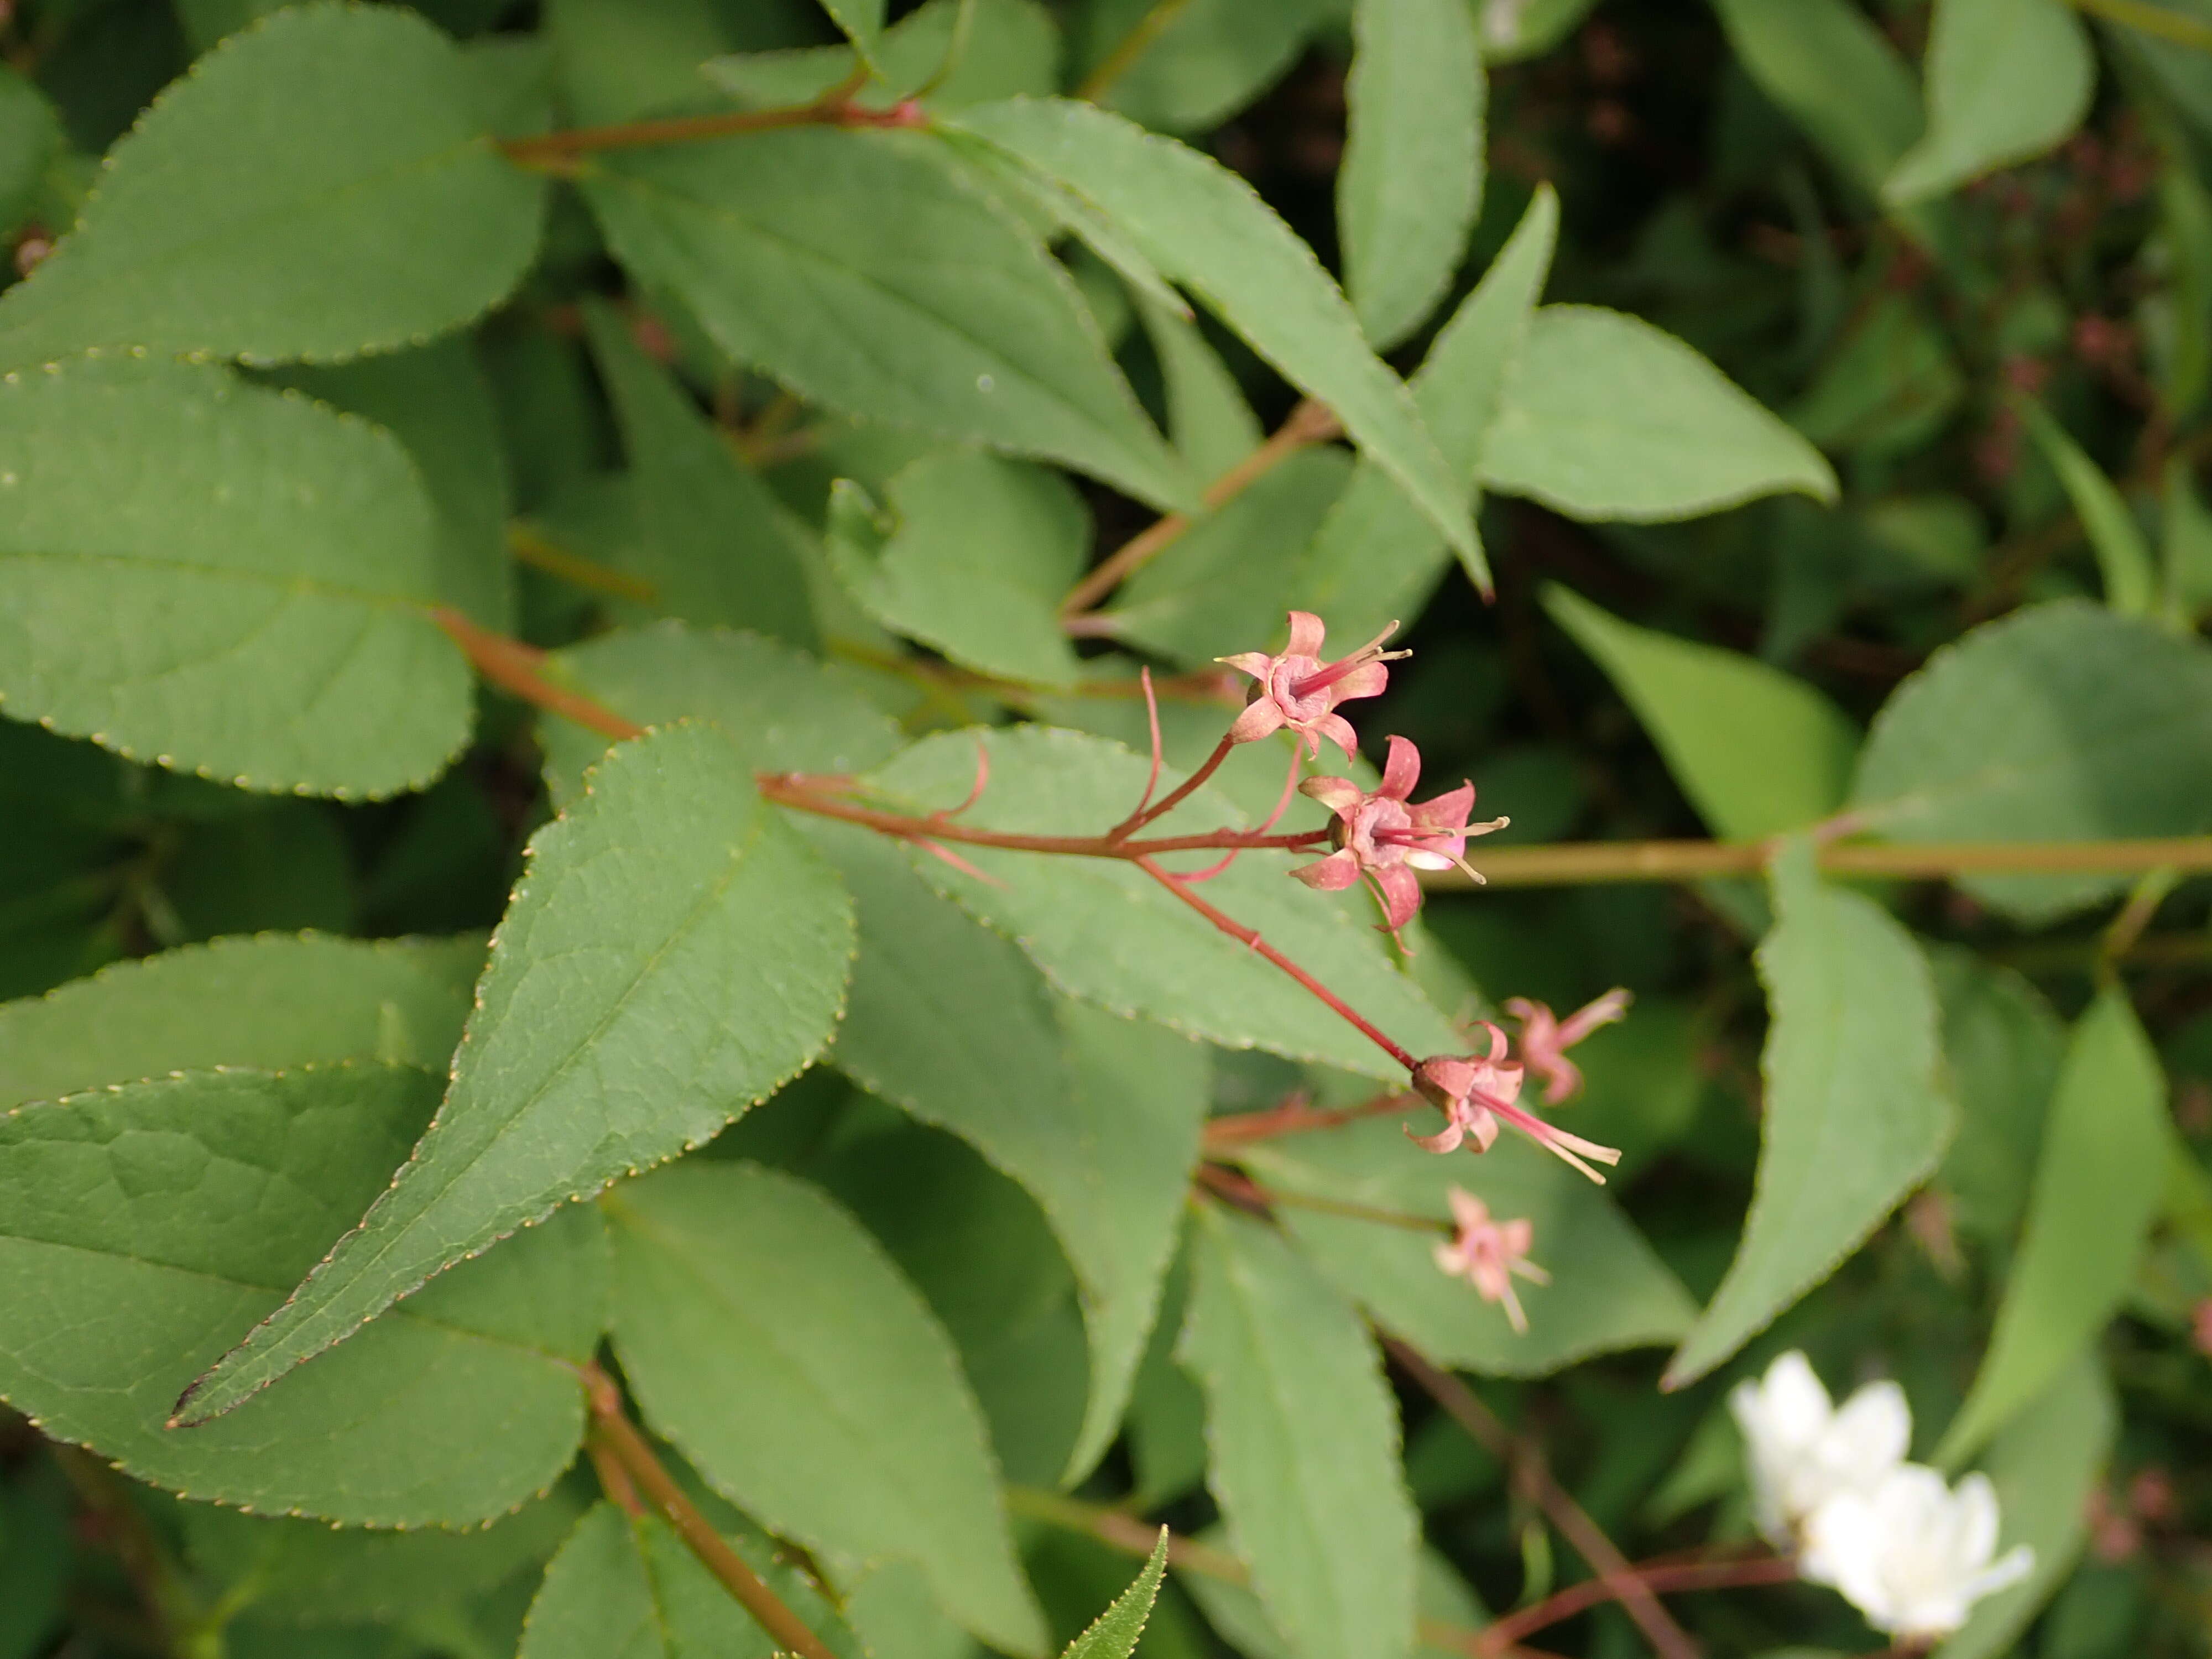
<point x="1116" y="1632"/>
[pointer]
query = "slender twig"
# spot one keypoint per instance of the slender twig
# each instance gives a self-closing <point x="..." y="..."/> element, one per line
<point x="620" y="1440"/>
<point x="1310" y="422"/>
<point x="836" y="107"/>
<point x="1297" y="1117"/>
<point x="1530" y="1470"/>
<point x="517" y="668"/>
<point x="1210" y="687"/>
<point x="531" y="548"/>
<point x="1572" y="862"/>
<point x="1653" y="1577"/>
<point x="1128" y="50"/>
<point x="802" y="795"/>
<point x="2141" y="15"/>
<point x="514" y="666"/>
<point x="1175" y="798"/>
<point x="1250" y="938"/>
<point x="1242" y="1190"/>
<point x="2121" y="935"/>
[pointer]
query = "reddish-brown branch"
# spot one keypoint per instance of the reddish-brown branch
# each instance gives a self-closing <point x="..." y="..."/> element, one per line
<point x="1175" y="797"/>
<point x="834" y="108"/>
<point x="1310" y="422"/>
<point x="1616" y="1579"/>
<point x="616" y="1438"/>
<point x="1577" y="863"/>
<point x="1250" y="938"/>
<point x="514" y="666"/>
<point x="1297" y="1116"/>
<point x="1246" y="1193"/>
<point x="786" y="791"/>
<point x="1652" y="1578"/>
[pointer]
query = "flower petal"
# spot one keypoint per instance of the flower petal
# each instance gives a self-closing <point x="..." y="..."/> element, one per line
<point x="1338" y="730"/>
<point x="1401" y="772"/>
<point x="1307" y="633"/>
<point x="1339" y="795"/>
<point x="1443" y="812"/>
<point x="1402" y="895"/>
<point x="1260" y="720"/>
<point x="1333" y="874"/>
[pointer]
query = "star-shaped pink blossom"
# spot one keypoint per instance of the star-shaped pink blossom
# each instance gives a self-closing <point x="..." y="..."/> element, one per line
<point x="1545" y="1039"/>
<point x="1487" y="1253"/>
<point x="1474" y="1092"/>
<point x="1299" y="690"/>
<point x="1385" y="838"/>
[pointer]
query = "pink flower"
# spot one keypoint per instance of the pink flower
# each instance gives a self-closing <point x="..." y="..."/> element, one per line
<point x="1473" y="1092"/>
<point x="1383" y="838"/>
<point x="1297" y="689"/>
<point x="1487" y="1253"/>
<point x="1545" y="1039"/>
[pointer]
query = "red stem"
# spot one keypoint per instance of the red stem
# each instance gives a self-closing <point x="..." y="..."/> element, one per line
<point x="1298" y="1117"/>
<point x="1176" y="796"/>
<point x="1652" y="1579"/>
<point x="1249" y="937"/>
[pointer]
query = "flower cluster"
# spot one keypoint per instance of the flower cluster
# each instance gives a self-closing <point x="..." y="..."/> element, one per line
<point x="1384" y="837"/>
<point x="1905" y="1548"/>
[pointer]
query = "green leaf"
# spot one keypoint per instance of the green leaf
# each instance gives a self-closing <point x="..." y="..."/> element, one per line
<point x="1227" y="578"/>
<point x="1206" y="230"/>
<point x="1212" y="426"/>
<point x="2098" y="1186"/>
<point x="711" y="541"/>
<point x="30" y="139"/>
<point x="858" y="269"/>
<point x="674" y="954"/>
<point x="1604" y="416"/>
<point x="1758" y="752"/>
<point x="782" y="710"/>
<point x="766" y="1336"/>
<point x="2007" y="79"/>
<point x="1608" y="1290"/>
<point x="2004" y="1044"/>
<point x="972" y="558"/>
<point x="2046" y="1468"/>
<point x="317" y="1575"/>
<point x="1103" y="932"/>
<point x="271" y="1002"/>
<point x="1375" y="557"/>
<point x="1440" y="1596"/>
<point x="1116" y="1632"/>
<point x="1856" y="1113"/>
<point x="436" y="401"/>
<point x="2184" y="543"/>
<point x="314" y="187"/>
<point x="952" y="1023"/>
<point x="862" y="21"/>
<point x="227" y="581"/>
<point x="627" y="1587"/>
<point x="1412" y="178"/>
<point x="1209" y="60"/>
<point x="1304" y="1438"/>
<point x="2060" y="722"/>
<point x="2123" y="558"/>
<point x="1010" y="47"/>
<point x="1828" y="66"/>
<point x="144" y="1229"/>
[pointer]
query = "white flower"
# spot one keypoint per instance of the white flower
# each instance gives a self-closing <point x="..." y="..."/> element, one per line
<point x="1912" y="1555"/>
<point x="1803" y="1450"/>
